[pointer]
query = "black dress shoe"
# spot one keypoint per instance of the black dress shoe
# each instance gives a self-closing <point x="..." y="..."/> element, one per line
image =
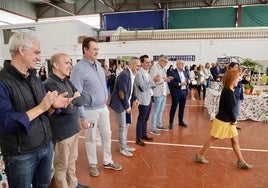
<point x="170" y="126"/>
<point x="147" y="138"/>
<point x="140" y="142"/>
<point x="183" y="124"/>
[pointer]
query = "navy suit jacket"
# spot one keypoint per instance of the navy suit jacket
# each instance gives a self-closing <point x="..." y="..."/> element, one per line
<point x="174" y="84"/>
<point x="215" y="72"/>
<point x="122" y="91"/>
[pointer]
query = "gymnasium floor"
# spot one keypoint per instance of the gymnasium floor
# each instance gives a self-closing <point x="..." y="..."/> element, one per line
<point x="168" y="161"/>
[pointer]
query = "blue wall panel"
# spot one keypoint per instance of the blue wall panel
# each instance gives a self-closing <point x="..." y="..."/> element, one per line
<point x="134" y="20"/>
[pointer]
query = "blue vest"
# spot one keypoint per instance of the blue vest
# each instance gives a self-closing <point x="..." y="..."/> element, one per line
<point x="24" y="95"/>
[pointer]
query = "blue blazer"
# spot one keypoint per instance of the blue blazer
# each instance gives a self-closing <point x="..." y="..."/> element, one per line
<point x="122" y="91"/>
<point x="174" y="86"/>
<point x="215" y="72"/>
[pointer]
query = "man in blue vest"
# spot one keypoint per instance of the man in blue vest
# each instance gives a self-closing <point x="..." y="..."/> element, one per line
<point x="25" y="135"/>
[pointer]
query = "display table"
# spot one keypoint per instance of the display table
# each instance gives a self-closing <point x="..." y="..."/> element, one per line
<point x="3" y="177"/>
<point x="254" y="107"/>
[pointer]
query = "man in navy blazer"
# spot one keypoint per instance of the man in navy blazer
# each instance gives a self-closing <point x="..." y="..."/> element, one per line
<point x="178" y="90"/>
<point x="120" y="102"/>
<point x="216" y="72"/>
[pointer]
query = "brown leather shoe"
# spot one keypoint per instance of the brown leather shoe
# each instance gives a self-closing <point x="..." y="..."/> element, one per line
<point x="140" y="142"/>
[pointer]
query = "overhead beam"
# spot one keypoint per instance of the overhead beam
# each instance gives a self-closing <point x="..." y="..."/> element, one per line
<point x="214" y="2"/>
<point x="57" y="7"/>
<point x="106" y="4"/>
<point x="38" y="16"/>
<point x="25" y="8"/>
<point x="78" y="11"/>
<point x="120" y="6"/>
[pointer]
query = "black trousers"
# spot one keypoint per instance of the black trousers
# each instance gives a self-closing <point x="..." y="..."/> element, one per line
<point x="178" y="99"/>
<point x="199" y="90"/>
<point x="141" y="127"/>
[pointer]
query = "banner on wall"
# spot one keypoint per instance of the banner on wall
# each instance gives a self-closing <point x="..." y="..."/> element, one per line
<point x="224" y="60"/>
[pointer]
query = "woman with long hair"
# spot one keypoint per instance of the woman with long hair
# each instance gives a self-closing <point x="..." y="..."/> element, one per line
<point x="223" y="126"/>
<point x="193" y="81"/>
<point x="42" y="73"/>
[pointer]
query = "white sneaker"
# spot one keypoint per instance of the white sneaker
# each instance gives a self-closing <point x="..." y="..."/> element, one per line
<point x="93" y="169"/>
<point x="161" y="128"/>
<point x="130" y="149"/>
<point x="126" y="153"/>
<point x="155" y="132"/>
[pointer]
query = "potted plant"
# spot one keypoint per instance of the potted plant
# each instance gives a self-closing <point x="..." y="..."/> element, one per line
<point x="248" y="88"/>
<point x="252" y="65"/>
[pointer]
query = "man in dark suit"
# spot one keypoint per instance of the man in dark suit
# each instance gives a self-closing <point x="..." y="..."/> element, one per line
<point x="120" y="102"/>
<point x="216" y="72"/>
<point x="178" y="91"/>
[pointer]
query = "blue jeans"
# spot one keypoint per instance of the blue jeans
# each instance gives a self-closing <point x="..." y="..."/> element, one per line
<point x="237" y="108"/>
<point x="159" y="106"/>
<point x="31" y="170"/>
<point x="208" y="83"/>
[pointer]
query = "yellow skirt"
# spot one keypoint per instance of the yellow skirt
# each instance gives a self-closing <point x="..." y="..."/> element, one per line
<point x="221" y="129"/>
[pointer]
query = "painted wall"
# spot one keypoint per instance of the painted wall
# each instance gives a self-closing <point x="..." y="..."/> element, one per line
<point x="204" y="50"/>
<point x="63" y="37"/>
<point x="55" y="37"/>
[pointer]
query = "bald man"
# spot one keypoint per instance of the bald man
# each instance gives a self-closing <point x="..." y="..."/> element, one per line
<point x="179" y="91"/>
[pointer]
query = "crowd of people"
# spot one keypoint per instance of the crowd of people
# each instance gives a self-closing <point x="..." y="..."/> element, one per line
<point x="41" y="119"/>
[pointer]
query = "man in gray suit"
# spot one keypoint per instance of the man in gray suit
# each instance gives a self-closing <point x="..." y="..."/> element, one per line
<point x="143" y="85"/>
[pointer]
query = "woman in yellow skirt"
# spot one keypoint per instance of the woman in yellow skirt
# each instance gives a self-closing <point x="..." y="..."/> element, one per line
<point x="223" y="126"/>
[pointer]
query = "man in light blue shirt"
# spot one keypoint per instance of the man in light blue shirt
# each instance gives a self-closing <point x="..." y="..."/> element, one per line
<point x="160" y="92"/>
<point x="89" y="78"/>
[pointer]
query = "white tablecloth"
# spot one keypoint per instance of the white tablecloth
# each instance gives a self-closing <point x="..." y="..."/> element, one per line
<point x="254" y="107"/>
